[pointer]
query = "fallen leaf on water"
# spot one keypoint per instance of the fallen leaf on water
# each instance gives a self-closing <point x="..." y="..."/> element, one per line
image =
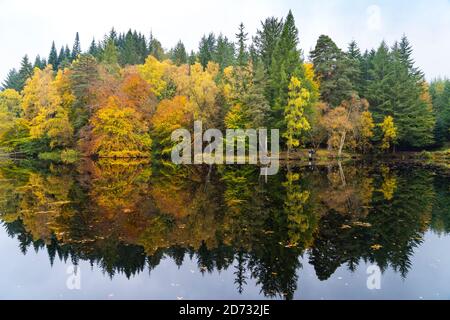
<point x="376" y="246"/>
<point x="346" y="226"/>
<point x="362" y="224"/>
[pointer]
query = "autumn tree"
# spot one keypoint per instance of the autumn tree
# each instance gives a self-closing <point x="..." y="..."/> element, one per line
<point x="153" y="71"/>
<point x="343" y="121"/>
<point x="296" y="122"/>
<point x="10" y="110"/>
<point x="389" y="133"/>
<point x="50" y="120"/>
<point x="171" y="115"/>
<point x="119" y="132"/>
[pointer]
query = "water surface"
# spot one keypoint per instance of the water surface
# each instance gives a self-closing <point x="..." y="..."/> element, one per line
<point x="135" y="230"/>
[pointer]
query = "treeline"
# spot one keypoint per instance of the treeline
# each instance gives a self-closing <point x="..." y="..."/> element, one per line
<point x="125" y="95"/>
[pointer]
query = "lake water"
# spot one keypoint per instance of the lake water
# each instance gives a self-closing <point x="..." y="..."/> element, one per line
<point x="133" y="230"/>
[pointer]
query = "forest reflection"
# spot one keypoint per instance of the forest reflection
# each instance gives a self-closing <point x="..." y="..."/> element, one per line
<point x="125" y="217"/>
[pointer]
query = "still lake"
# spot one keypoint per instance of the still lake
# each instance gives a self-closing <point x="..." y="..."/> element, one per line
<point x="134" y="230"/>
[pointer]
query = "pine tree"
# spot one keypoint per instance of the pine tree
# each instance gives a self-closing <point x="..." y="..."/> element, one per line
<point x="207" y="49"/>
<point x="61" y="57"/>
<point x="286" y="63"/>
<point x="224" y="52"/>
<point x="266" y="40"/>
<point x="12" y="80"/>
<point x="405" y="51"/>
<point x="155" y="48"/>
<point x="334" y="70"/>
<point x="396" y="90"/>
<point x="440" y="94"/>
<point x="129" y="54"/>
<point x="192" y="58"/>
<point x="93" y="50"/>
<point x="110" y="56"/>
<point x="25" y="72"/>
<point x="241" y="36"/>
<point x="84" y="73"/>
<point x="53" y="57"/>
<point x="67" y="53"/>
<point x="76" y="50"/>
<point x="179" y="55"/>
<point x="355" y="61"/>
<point x="39" y="63"/>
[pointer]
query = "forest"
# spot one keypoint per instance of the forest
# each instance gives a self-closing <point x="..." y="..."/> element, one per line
<point x="125" y="94"/>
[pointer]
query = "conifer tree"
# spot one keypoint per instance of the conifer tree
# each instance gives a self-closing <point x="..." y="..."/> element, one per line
<point x="241" y="36"/>
<point x="207" y="49"/>
<point x="12" y="80"/>
<point x="179" y="55"/>
<point x="334" y="70"/>
<point x="53" y="57"/>
<point x="286" y="63"/>
<point x="76" y="50"/>
<point x="266" y="40"/>
<point x="224" y="55"/>
<point x="155" y="48"/>
<point x="39" y="63"/>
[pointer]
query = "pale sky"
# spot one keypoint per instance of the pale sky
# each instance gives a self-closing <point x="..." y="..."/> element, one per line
<point x="29" y="26"/>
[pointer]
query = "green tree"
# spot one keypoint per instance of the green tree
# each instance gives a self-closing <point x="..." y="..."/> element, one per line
<point x="53" y="57"/>
<point x="76" y="49"/>
<point x="241" y="36"/>
<point x="12" y="80"/>
<point x="155" y="48"/>
<point x="207" y="49"/>
<point x="25" y="72"/>
<point x="224" y="54"/>
<point x="179" y="55"/>
<point x="396" y="89"/>
<point x="286" y="63"/>
<point x="440" y="94"/>
<point x="334" y="70"/>
<point x="266" y="40"/>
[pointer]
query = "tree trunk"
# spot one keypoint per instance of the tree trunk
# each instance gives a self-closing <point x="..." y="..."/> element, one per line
<point x="341" y="146"/>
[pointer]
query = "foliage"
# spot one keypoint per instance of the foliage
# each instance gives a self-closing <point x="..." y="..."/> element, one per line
<point x="389" y="133"/>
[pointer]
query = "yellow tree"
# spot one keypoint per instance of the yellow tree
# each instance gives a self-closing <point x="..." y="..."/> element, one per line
<point x="10" y="109"/>
<point x="119" y="132"/>
<point x="365" y="131"/>
<point x="52" y="119"/>
<point x="36" y="92"/>
<point x="294" y="113"/>
<point x="46" y="104"/>
<point x="153" y="71"/>
<point x="203" y="92"/>
<point x="171" y="115"/>
<point x="389" y="131"/>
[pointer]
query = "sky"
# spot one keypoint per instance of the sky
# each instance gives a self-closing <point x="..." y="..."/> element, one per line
<point x="30" y="26"/>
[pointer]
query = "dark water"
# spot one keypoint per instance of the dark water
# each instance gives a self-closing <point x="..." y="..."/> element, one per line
<point x="135" y="230"/>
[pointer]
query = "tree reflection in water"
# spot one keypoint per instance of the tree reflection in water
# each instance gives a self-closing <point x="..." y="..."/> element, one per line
<point x="126" y="217"/>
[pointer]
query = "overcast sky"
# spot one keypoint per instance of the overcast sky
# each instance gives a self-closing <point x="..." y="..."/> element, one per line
<point x="28" y="27"/>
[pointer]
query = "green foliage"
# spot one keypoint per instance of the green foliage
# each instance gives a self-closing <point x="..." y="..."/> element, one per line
<point x="395" y="89"/>
<point x="286" y="63"/>
<point x="334" y="70"/>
